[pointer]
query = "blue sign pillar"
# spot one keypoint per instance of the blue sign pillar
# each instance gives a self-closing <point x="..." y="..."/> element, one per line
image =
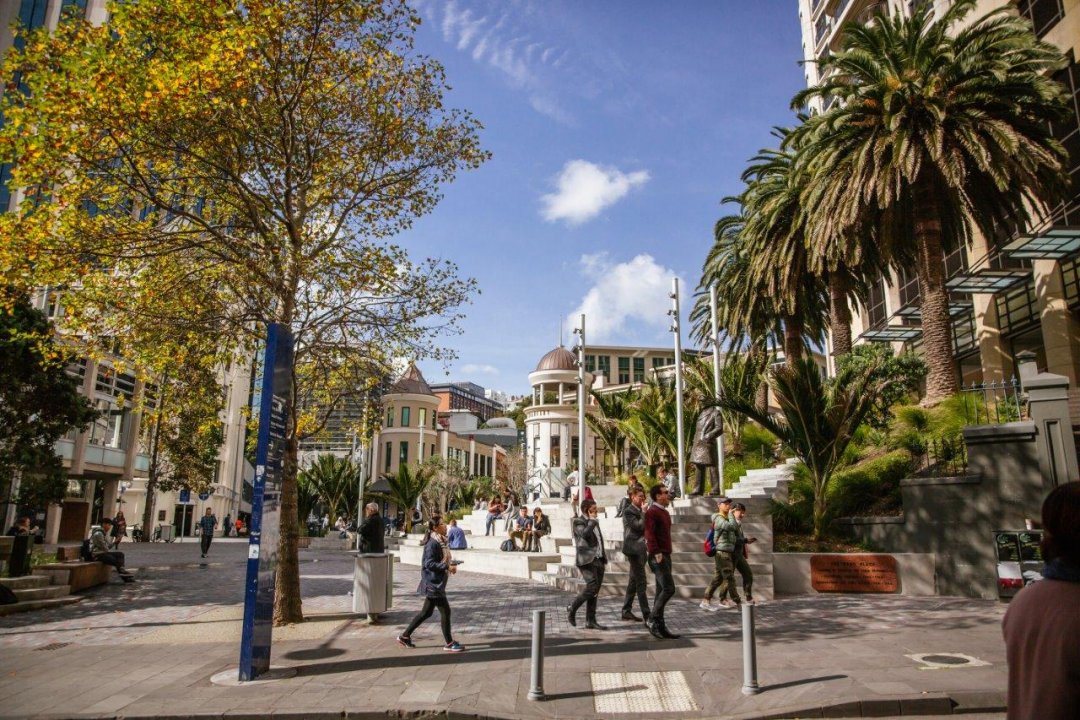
<point x="266" y="504"/>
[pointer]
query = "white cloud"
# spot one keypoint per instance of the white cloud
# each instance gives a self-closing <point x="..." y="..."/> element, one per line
<point x="625" y="298"/>
<point x="474" y="369"/>
<point x="584" y="189"/>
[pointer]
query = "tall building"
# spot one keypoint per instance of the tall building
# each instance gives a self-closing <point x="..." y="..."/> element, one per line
<point x="467" y="396"/>
<point x="1011" y="292"/>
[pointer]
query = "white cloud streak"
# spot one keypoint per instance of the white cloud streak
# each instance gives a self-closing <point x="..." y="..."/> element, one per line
<point x="475" y="369"/>
<point x="583" y="189"/>
<point x="626" y="298"/>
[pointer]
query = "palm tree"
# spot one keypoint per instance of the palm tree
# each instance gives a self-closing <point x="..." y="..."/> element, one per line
<point x="335" y="482"/>
<point x="819" y="418"/>
<point x="741" y="374"/>
<point x="406" y="488"/>
<point x="938" y="127"/>
<point x="775" y="231"/>
<point x="613" y="408"/>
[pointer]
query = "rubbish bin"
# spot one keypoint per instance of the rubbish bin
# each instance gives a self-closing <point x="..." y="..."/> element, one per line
<point x="167" y="532"/>
<point x="373" y="583"/>
<point x="21" y="547"/>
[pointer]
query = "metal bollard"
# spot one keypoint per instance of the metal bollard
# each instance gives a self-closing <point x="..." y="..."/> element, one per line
<point x="536" y="692"/>
<point x="749" y="652"/>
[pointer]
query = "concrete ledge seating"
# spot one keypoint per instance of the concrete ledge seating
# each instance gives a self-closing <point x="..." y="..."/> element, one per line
<point x="492" y="562"/>
<point x="77" y="575"/>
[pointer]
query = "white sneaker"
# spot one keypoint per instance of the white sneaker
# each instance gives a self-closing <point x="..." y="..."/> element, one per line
<point x="728" y="603"/>
<point x="706" y="605"/>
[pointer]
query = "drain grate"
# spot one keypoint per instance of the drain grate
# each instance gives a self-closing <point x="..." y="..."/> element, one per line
<point x="53" y="646"/>
<point x="936" y="661"/>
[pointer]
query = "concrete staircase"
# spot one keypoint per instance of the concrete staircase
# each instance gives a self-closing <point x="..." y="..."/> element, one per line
<point x="35" y="592"/>
<point x="765" y="483"/>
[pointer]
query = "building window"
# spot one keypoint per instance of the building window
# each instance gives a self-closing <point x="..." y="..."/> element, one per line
<point x="659" y="362"/>
<point x="403" y="453"/>
<point x="389" y="456"/>
<point x="390" y="417"/>
<point x="468" y="459"/>
<point x="405" y="417"/>
<point x="965" y="337"/>
<point x="908" y="286"/>
<point x="875" y="306"/>
<point x="639" y="369"/>
<point x="1043" y="14"/>
<point x="1070" y="277"/>
<point x="624" y="370"/>
<point x="590" y="363"/>
<point x="1017" y="308"/>
<point x="603" y="366"/>
<point x="432" y="453"/>
<point x="421" y="416"/>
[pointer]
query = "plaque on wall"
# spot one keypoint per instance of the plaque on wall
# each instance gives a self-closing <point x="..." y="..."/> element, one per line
<point x="854" y="573"/>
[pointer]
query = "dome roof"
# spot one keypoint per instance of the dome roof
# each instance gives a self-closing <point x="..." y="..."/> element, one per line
<point x="558" y="359"/>
<point x="412" y="382"/>
<point x="501" y="422"/>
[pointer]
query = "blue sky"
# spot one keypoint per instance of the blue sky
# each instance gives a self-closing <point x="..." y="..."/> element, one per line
<point x="616" y="127"/>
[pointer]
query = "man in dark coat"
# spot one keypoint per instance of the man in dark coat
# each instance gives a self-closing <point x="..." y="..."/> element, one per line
<point x="591" y="559"/>
<point x="371" y="530"/>
<point x="633" y="521"/>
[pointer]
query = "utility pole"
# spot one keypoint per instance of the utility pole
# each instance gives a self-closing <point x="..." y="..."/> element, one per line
<point x="676" y="329"/>
<point x="582" y="390"/>
<point x="714" y="312"/>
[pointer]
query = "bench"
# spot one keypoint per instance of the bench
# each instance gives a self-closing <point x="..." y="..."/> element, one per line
<point x="79" y="575"/>
<point x="68" y="553"/>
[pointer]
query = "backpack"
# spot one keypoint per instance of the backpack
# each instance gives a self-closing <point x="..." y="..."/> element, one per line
<point x="507" y="545"/>
<point x="710" y="546"/>
<point x="7" y="597"/>
<point x="84" y="551"/>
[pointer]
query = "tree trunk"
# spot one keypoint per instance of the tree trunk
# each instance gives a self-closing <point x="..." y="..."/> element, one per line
<point x="819" y="508"/>
<point x="793" y="339"/>
<point x="941" y="381"/>
<point x="287" y="604"/>
<point x="155" y="465"/>
<point x="840" y="313"/>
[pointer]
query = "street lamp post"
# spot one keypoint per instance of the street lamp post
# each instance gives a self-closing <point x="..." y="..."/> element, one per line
<point x="716" y="382"/>
<point x="677" y="331"/>
<point x="580" y="332"/>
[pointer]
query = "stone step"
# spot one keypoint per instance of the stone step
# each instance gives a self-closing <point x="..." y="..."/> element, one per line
<point x="25" y="582"/>
<point x="28" y="605"/>
<point x="491" y="562"/>
<point x="42" y="593"/>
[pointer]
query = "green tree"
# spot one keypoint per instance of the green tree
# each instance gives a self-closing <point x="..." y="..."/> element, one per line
<point x="268" y="154"/>
<point x="39" y="404"/>
<point x="613" y="408"/>
<point x="447" y="480"/>
<point x="907" y="370"/>
<point x="938" y="126"/>
<point x="818" y="419"/>
<point x="335" y="482"/>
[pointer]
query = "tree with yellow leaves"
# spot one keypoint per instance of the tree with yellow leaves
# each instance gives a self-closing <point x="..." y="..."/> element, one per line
<point x="267" y="152"/>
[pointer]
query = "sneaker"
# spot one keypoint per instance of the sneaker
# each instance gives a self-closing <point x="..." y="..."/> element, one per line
<point x="728" y="604"/>
<point x="405" y="642"/>
<point x="706" y="605"/>
<point x="454" y="647"/>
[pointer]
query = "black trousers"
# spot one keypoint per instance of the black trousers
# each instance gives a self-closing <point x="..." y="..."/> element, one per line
<point x="425" y="612"/>
<point x="665" y="584"/>
<point x="594" y="578"/>
<point x="205" y="539"/>
<point x="116" y="559"/>
<point x="637" y="585"/>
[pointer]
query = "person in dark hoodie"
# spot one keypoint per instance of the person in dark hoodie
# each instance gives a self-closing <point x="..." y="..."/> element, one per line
<point x="633" y="521"/>
<point x="591" y="560"/>
<point x="436" y="568"/>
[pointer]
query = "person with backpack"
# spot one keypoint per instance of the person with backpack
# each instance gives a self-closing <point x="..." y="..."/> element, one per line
<point x="435" y="569"/>
<point x="725" y="529"/>
<point x="207" y="524"/>
<point x="97" y="547"/>
<point x="633" y="522"/>
<point x="590" y="560"/>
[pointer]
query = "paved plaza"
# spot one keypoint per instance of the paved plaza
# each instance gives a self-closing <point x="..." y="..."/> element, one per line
<point x="148" y="650"/>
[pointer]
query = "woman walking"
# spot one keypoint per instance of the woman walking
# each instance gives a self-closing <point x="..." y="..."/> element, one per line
<point x="436" y="568"/>
<point x="591" y="560"/>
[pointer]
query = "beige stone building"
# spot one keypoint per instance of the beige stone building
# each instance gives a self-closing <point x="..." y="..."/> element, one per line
<point x="1012" y="292"/>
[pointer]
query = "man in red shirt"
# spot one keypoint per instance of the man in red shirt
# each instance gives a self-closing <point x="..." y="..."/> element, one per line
<point x="658" y="546"/>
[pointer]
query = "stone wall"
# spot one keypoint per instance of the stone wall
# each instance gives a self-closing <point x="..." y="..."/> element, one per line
<point x="791" y="573"/>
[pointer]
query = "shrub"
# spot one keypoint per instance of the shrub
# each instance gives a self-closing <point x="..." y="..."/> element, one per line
<point x="869" y="487"/>
<point x="759" y="442"/>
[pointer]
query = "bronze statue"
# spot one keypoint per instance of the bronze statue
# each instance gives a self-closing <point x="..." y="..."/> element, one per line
<point x="710" y="426"/>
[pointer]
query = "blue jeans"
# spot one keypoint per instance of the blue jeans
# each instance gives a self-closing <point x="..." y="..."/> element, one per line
<point x="489" y="529"/>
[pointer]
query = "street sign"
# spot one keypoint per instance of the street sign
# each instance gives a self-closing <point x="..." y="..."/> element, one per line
<point x="276" y="386"/>
<point x="204" y="496"/>
<point x="185" y="496"/>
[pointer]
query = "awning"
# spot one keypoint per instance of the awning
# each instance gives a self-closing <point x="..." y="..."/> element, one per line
<point x="914" y="312"/>
<point x="987" y="282"/>
<point x="892" y="333"/>
<point x="1052" y="244"/>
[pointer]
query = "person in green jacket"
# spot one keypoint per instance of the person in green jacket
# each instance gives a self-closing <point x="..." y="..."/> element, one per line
<point x="725" y="533"/>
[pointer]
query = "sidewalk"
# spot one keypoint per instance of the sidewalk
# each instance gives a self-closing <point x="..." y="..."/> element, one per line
<point x="148" y="650"/>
